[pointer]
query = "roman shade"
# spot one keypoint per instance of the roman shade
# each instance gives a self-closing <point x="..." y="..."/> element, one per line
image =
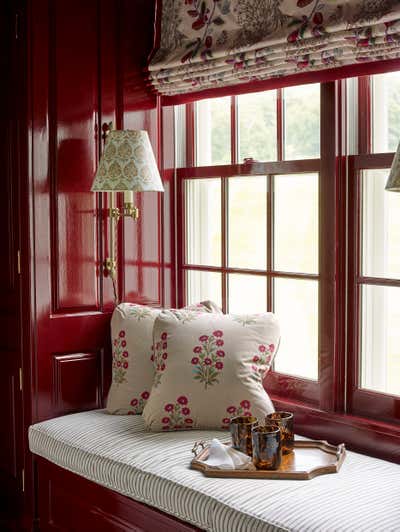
<point x="205" y="44"/>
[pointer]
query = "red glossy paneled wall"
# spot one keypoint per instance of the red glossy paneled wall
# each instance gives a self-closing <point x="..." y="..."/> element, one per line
<point x="87" y="69"/>
<point x="83" y="65"/>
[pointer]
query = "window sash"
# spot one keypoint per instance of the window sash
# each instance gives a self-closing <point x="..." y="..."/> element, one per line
<point x="361" y="401"/>
<point x="338" y="388"/>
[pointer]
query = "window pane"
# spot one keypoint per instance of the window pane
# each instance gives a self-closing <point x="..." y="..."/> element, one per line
<point x="296" y="306"/>
<point x="302" y="122"/>
<point x="201" y="286"/>
<point x="203" y="221"/>
<point x="380" y="353"/>
<point x="380" y="226"/>
<point x="386" y="111"/>
<point x="296" y="223"/>
<point x="257" y="126"/>
<point x="247" y="222"/>
<point x="247" y="294"/>
<point x="213" y="120"/>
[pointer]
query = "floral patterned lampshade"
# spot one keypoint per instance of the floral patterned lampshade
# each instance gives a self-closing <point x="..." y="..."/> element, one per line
<point x="127" y="164"/>
<point x="393" y="182"/>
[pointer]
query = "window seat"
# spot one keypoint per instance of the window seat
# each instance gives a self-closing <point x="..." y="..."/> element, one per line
<point x="116" y="452"/>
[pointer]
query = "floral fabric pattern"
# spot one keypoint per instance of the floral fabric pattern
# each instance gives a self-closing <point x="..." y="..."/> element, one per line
<point x="120" y="359"/>
<point x="177" y="415"/>
<point x="208" y="359"/>
<point x="137" y="404"/>
<point x="118" y="171"/>
<point x="133" y="356"/>
<point x="244" y="409"/>
<point x="215" y="364"/>
<point x="159" y="358"/>
<point x="261" y="362"/>
<point x="211" y="43"/>
<point x="139" y="312"/>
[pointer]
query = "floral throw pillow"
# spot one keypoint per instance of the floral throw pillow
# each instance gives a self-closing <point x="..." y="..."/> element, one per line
<point x="211" y="369"/>
<point x="135" y="357"/>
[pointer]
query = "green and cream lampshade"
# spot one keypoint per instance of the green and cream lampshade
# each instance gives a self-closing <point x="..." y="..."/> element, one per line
<point x="393" y="182"/>
<point x="127" y="164"/>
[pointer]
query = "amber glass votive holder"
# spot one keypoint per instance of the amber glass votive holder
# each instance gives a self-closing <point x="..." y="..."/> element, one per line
<point x="284" y="420"/>
<point x="240" y="428"/>
<point x="267" y="451"/>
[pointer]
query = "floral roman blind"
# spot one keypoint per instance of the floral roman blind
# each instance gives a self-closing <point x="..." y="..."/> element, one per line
<point x="205" y="44"/>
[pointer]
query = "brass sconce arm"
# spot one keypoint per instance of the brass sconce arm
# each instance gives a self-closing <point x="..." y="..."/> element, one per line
<point x="131" y="210"/>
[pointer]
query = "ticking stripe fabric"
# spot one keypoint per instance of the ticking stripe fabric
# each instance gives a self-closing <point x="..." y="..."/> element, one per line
<point x="116" y="452"/>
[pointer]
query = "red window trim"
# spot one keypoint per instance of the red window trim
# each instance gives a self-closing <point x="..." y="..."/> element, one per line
<point x="360" y="434"/>
<point x="363" y="402"/>
<point x="322" y="413"/>
<point x="298" y="388"/>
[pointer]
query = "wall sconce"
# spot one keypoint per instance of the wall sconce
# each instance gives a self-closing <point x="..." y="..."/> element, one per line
<point x="127" y="165"/>
<point x="393" y="182"/>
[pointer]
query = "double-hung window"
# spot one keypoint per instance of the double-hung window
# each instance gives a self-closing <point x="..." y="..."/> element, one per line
<point x="281" y="207"/>
<point x="373" y="386"/>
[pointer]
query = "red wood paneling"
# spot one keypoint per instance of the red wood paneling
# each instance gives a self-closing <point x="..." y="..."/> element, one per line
<point x="94" y="507"/>
<point x="84" y="58"/>
<point x="73" y="116"/>
<point x="85" y="67"/>
<point x="64" y="106"/>
<point x="77" y="381"/>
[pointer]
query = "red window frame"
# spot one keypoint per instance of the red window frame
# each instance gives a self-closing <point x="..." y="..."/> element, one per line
<point x="336" y="407"/>
<point x="360" y="401"/>
<point x="316" y="393"/>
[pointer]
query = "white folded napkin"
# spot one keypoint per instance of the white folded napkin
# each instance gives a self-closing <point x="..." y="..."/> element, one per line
<point x="222" y="456"/>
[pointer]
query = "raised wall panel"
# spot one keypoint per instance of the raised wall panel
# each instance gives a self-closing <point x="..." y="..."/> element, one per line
<point x="73" y="95"/>
<point x="77" y="382"/>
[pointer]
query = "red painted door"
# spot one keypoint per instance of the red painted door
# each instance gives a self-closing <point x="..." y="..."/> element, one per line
<point x="70" y="54"/>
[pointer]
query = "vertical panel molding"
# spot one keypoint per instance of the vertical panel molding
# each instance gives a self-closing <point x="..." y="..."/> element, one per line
<point x="76" y="382"/>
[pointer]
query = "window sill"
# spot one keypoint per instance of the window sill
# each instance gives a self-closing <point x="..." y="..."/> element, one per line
<point x="363" y="435"/>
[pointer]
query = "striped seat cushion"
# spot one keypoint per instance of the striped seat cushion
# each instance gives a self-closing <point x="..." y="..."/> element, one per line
<point x="116" y="452"/>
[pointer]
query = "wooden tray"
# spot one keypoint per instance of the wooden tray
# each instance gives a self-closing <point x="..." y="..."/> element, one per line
<point x="309" y="459"/>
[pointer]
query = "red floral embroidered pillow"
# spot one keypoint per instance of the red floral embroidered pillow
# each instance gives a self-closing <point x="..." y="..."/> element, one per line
<point x="135" y="357"/>
<point x="211" y="369"/>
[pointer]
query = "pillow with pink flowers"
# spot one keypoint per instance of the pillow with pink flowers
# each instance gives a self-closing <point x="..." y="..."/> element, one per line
<point x="133" y="364"/>
<point x="213" y="370"/>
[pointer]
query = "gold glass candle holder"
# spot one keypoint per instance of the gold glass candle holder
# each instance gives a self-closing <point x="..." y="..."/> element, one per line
<point x="267" y="451"/>
<point x="284" y="420"/>
<point x="240" y="428"/>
